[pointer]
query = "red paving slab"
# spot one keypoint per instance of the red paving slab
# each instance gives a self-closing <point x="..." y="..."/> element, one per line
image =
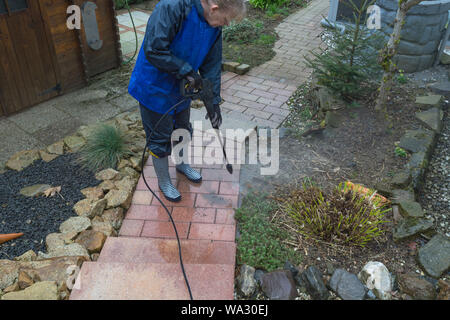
<point x="217" y="232"/>
<point x="145" y="250"/>
<point x="153" y="281"/>
<point x="162" y="229"/>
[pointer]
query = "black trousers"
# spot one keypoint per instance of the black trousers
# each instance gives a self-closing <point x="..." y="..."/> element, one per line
<point x="161" y="141"/>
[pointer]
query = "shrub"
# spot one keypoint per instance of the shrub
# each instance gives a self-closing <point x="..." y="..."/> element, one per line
<point x="350" y="62"/>
<point x="104" y="148"/>
<point x="245" y="31"/>
<point x="342" y="217"/>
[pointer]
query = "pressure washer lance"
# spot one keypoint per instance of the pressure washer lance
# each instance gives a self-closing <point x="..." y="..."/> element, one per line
<point x="204" y="94"/>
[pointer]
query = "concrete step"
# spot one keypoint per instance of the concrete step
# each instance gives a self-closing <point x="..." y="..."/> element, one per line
<point x="149" y="250"/>
<point x="153" y="281"/>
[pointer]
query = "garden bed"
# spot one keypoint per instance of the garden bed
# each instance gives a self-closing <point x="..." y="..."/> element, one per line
<point x="252" y="40"/>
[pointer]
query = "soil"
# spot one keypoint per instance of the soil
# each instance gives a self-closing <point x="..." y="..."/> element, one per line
<point x="360" y="149"/>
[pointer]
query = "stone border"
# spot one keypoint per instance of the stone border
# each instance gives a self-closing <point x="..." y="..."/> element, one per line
<point x="51" y="275"/>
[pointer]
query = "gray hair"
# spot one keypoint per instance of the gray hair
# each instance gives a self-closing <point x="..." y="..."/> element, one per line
<point x="237" y="7"/>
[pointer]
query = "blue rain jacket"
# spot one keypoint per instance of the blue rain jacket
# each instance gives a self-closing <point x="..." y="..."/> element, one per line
<point x="177" y="40"/>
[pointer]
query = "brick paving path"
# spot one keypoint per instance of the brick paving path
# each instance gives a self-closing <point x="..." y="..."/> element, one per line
<point x="142" y="263"/>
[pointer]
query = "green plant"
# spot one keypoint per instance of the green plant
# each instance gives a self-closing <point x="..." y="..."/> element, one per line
<point x="266" y="39"/>
<point x="400" y="152"/>
<point x="261" y="242"/>
<point x="401" y="78"/>
<point x="104" y="148"/>
<point x="350" y="63"/>
<point x="342" y="217"/>
<point x="275" y="9"/>
<point x="245" y="31"/>
<point x="264" y="4"/>
<point x="119" y="4"/>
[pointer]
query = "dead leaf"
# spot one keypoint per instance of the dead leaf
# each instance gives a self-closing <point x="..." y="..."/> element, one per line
<point x="50" y="192"/>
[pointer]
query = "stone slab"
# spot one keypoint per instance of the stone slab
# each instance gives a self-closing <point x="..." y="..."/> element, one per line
<point x="146" y="250"/>
<point x="153" y="281"/>
<point x="434" y="257"/>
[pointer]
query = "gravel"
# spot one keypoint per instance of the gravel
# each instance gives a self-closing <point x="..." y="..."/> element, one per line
<point x="37" y="217"/>
<point x="435" y="194"/>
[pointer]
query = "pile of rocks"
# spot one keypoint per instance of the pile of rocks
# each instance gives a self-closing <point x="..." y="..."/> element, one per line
<point x="51" y="274"/>
<point x="373" y="282"/>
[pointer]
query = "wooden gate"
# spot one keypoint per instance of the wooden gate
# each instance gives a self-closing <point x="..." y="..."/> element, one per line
<point x="28" y="72"/>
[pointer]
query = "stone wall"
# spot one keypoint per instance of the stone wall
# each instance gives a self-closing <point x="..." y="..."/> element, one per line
<point x="421" y="33"/>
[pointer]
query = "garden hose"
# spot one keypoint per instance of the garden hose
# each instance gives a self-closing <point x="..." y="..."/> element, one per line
<point x="135" y="34"/>
<point x="145" y="181"/>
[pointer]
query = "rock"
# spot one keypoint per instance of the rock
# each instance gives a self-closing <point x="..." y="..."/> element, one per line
<point x="86" y="131"/>
<point x="92" y="240"/>
<point x="47" y="157"/>
<point x="289" y="266"/>
<point x="396" y="213"/>
<point x="312" y="278"/>
<point x="417" y="140"/>
<point x="246" y="281"/>
<point x="34" y="190"/>
<point x="73" y="250"/>
<point x="95" y="256"/>
<point x="409" y="227"/>
<point x="136" y="163"/>
<point x="56" y="148"/>
<point x="127" y="171"/>
<point x="333" y="119"/>
<point x="75" y="224"/>
<point x="87" y="208"/>
<point x="445" y="57"/>
<point x="54" y="241"/>
<point x="230" y="66"/>
<point x="44" y="290"/>
<point x="370" y="295"/>
<point x="114" y="217"/>
<point x="444" y="290"/>
<point x="123" y="163"/>
<point x="22" y="159"/>
<point x="377" y="278"/>
<point x="93" y="193"/>
<point x="279" y="285"/>
<point x="107" y="185"/>
<point x="401" y="179"/>
<point x="74" y="143"/>
<point x="53" y="269"/>
<point x="258" y="276"/>
<point x="30" y="255"/>
<point x="24" y="280"/>
<point x="416" y="287"/>
<point x="242" y="69"/>
<point x="347" y="285"/>
<point x="107" y="174"/>
<point x="442" y="88"/>
<point x="127" y="184"/>
<point x="103" y="226"/>
<point x="432" y="118"/>
<point x="12" y="288"/>
<point x="434" y="257"/>
<point x="116" y="198"/>
<point x="9" y="271"/>
<point x="410" y="209"/>
<point x="431" y="100"/>
<point x="399" y="195"/>
<point x="384" y="189"/>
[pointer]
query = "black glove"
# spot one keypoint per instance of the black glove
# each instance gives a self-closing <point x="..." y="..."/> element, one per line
<point x="195" y="81"/>
<point x="216" y="117"/>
